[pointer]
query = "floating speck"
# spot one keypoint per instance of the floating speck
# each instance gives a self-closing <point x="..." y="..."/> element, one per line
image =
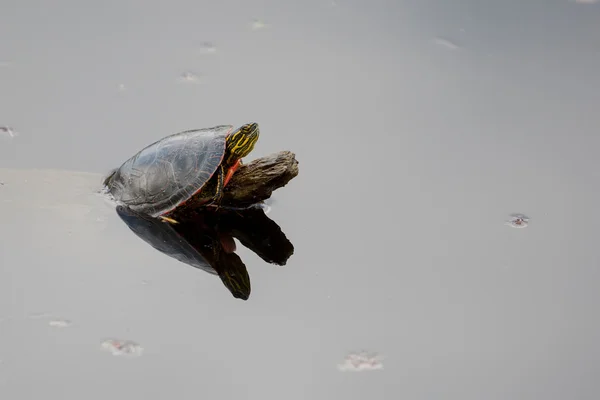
<point x="189" y="77"/>
<point x="258" y="24"/>
<point x="121" y="87"/>
<point x="361" y="361"/>
<point x="59" y="323"/>
<point x="208" y="48"/>
<point x="517" y="221"/>
<point x="586" y="1"/>
<point x="8" y="132"/>
<point x="122" y="347"/>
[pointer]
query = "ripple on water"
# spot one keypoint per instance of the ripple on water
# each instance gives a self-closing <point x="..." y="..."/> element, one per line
<point x="446" y="43"/>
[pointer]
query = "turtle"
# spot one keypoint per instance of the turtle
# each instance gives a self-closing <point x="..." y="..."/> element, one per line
<point x="193" y="164"/>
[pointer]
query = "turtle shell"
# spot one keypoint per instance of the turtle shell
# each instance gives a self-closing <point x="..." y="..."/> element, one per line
<point x="170" y="171"/>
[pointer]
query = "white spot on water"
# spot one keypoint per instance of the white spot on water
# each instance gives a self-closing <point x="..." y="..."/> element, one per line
<point x="119" y="347"/>
<point x="446" y="43"/>
<point x="517" y="221"/>
<point x="121" y="87"/>
<point x="585" y="1"/>
<point x="361" y="361"/>
<point x="59" y="323"/>
<point x="189" y="77"/>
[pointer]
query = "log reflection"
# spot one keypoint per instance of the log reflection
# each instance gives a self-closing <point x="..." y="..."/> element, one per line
<point x="204" y="240"/>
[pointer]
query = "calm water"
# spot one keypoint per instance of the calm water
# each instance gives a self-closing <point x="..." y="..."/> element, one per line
<point x="420" y="127"/>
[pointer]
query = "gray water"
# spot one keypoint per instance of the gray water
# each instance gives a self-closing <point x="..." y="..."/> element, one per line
<point x="420" y="126"/>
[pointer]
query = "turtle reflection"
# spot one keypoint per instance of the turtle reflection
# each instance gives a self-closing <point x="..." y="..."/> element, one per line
<point x="204" y="240"/>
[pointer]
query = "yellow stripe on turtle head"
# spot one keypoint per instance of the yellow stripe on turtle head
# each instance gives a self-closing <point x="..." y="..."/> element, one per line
<point x="241" y="142"/>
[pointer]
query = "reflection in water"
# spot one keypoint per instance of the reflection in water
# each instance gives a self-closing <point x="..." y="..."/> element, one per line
<point x="204" y="240"/>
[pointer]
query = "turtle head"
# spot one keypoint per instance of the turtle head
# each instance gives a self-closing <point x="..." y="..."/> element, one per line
<point x="241" y="142"/>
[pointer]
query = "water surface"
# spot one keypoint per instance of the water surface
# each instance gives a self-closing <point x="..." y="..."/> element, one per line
<point x="420" y="127"/>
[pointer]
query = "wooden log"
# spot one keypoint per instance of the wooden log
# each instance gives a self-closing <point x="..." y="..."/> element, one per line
<point x="256" y="181"/>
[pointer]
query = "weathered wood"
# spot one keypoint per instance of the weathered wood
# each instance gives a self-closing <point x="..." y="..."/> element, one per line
<point x="256" y="181"/>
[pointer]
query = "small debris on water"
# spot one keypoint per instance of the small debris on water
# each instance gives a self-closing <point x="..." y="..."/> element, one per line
<point x="517" y="221"/>
<point x="7" y="131"/>
<point x="121" y="87"/>
<point x="60" y="323"/>
<point x="258" y="24"/>
<point x="119" y="347"/>
<point x="361" y="361"/>
<point x="189" y="77"/>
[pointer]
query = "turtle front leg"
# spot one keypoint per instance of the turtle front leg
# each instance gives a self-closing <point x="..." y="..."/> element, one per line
<point x="220" y="184"/>
<point x="231" y="170"/>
